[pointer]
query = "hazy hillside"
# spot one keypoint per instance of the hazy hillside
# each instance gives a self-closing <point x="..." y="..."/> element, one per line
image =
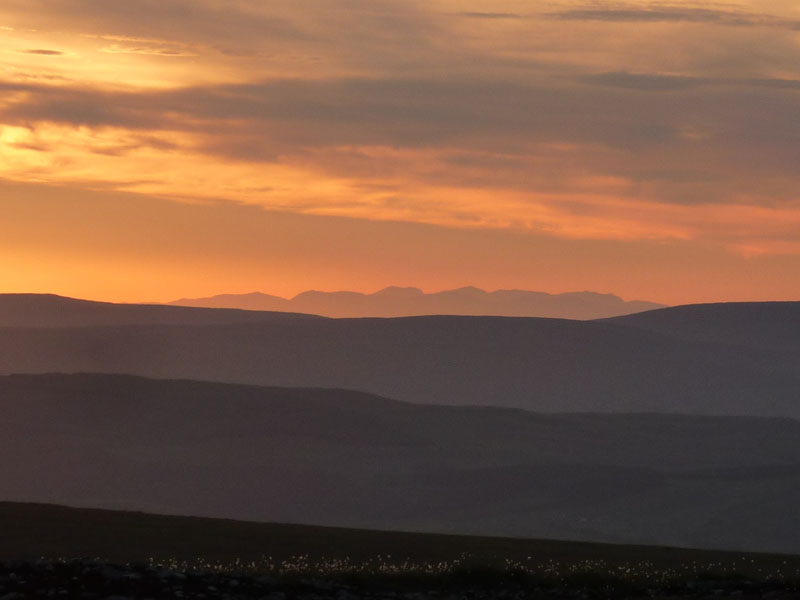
<point x="46" y="310"/>
<point x="400" y="302"/>
<point x="539" y="364"/>
<point x="344" y="458"/>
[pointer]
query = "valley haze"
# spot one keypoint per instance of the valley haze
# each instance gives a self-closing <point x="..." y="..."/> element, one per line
<point x="337" y="457"/>
<point x="737" y="359"/>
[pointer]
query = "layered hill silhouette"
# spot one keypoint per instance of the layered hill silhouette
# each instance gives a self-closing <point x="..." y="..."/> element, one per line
<point x="337" y="457"/>
<point x="654" y="362"/>
<point x="410" y="301"/>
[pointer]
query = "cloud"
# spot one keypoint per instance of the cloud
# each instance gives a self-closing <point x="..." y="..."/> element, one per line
<point x="676" y="15"/>
<point x="356" y="31"/>
<point x="76" y="107"/>
<point x="714" y="141"/>
<point x="645" y="81"/>
<point x="490" y="15"/>
<point x="195" y="20"/>
<point x="411" y="112"/>
<point x="43" y="52"/>
<point x="407" y="109"/>
<point x="151" y="50"/>
<point x="669" y="83"/>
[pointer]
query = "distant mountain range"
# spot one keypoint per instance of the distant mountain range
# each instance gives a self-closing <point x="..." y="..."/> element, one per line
<point x="410" y="301"/>
<point x="723" y="359"/>
<point x="338" y="457"/>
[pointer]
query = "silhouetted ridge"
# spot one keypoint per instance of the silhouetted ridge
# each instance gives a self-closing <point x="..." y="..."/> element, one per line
<point x="49" y="310"/>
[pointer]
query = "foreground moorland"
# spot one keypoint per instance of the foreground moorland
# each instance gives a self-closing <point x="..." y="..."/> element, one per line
<point x="51" y="551"/>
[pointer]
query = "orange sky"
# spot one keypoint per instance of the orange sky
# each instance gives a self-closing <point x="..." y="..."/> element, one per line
<point x="151" y="150"/>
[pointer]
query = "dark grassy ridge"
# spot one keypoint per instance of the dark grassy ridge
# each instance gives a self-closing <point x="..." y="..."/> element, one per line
<point x="31" y="531"/>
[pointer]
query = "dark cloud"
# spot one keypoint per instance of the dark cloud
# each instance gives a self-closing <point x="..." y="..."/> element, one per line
<point x="150" y="49"/>
<point x="43" y="52"/>
<point x="781" y="84"/>
<point x="370" y="31"/>
<point x="490" y="15"/>
<point x="644" y="82"/>
<point x="419" y="112"/>
<point x="669" y="83"/>
<point x="743" y="133"/>
<point x="424" y="109"/>
<point x="76" y="106"/>
<point x="676" y="14"/>
<point x="34" y="147"/>
<point x="186" y="20"/>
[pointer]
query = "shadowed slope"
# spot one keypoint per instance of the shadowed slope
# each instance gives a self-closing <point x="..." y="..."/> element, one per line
<point x="770" y="326"/>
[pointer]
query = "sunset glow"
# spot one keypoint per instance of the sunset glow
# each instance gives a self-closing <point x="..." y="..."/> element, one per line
<point x="154" y="150"/>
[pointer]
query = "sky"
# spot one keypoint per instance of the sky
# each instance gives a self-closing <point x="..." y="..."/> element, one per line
<point x="157" y="149"/>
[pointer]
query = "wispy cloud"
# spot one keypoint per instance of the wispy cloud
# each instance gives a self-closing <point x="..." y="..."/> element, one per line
<point x="151" y="50"/>
<point x="669" y="83"/>
<point x="43" y="52"/>
<point x="490" y="15"/>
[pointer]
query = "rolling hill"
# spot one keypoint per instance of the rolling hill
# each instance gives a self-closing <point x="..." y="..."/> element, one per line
<point x="549" y="365"/>
<point x="337" y="457"/>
